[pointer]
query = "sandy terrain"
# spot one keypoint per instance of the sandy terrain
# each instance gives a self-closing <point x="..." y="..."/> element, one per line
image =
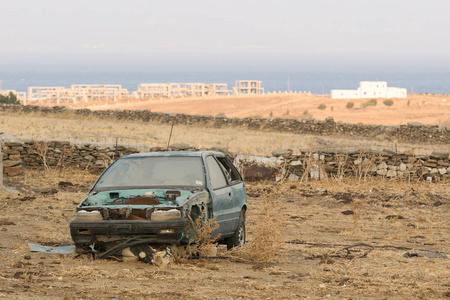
<point x="406" y="224"/>
<point x="427" y="109"/>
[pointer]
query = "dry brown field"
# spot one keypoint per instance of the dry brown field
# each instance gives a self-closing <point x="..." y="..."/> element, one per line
<point x="407" y="224"/>
<point x="424" y="108"/>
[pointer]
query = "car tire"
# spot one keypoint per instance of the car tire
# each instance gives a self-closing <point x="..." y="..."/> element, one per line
<point x="238" y="237"/>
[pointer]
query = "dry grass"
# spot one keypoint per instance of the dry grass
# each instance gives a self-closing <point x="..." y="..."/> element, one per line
<point x="267" y="241"/>
<point x="239" y="140"/>
<point x="200" y="236"/>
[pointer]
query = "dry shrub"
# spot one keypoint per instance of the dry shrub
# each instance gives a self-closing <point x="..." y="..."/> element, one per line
<point x="371" y="102"/>
<point x="388" y="102"/>
<point x="41" y="149"/>
<point x="268" y="239"/>
<point x="200" y="236"/>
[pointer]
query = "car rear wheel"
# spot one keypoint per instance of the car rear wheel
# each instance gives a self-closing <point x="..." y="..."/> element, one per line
<point x="238" y="238"/>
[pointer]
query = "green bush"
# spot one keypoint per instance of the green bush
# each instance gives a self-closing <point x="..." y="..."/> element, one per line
<point x="322" y="106"/>
<point x="305" y="112"/>
<point x="371" y="102"/>
<point x="388" y="102"/>
<point x="350" y="105"/>
<point x="10" y="99"/>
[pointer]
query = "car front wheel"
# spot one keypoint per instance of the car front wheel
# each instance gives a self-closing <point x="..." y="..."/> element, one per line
<point x="238" y="238"/>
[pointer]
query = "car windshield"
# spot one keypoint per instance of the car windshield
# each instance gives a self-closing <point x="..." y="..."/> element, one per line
<point x="152" y="172"/>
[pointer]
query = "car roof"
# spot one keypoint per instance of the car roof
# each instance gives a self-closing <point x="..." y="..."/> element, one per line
<point x="177" y="154"/>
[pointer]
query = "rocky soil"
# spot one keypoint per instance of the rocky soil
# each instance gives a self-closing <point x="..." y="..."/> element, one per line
<point x="404" y="229"/>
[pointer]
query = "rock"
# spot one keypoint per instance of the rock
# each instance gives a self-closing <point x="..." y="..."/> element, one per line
<point x="11" y="163"/>
<point x="402" y="167"/>
<point x="221" y="116"/>
<point x="440" y="154"/>
<point x="391" y="173"/>
<point x="415" y="124"/>
<point x="442" y="171"/>
<point x="394" y="217"/>
<point x="293" y="177"/>
<point x="179" y="146"/>
<point x="382" y="172"/>
<point x="13" y="171"/>
<point x="161" y="259"/>
<point x="14" y="157"/>
<point x="430" y="164"/>
<point x="100" y="163"/>
<point x="382" y="166"/>
<point x="89" y="157"/>
<point x="296" y="163"/>
<point x="11" y="152"/>
<point x="283" y="153"/>
<point x="47" y="191"/>
<point x="443" y="163"/>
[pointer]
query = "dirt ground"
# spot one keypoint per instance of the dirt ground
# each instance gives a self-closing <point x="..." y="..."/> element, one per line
<point x="424" y="108"/>
<point x="407" y="225"/>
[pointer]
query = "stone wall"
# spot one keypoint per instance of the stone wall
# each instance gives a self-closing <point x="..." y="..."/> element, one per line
<point x="287" y="164"/>
<point x="412" y="132"/>
<point x="58" y="154"/>
<point x="359" y="164"/>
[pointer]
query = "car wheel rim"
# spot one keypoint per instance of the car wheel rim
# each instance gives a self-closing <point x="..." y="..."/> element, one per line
<point x="241" y="236"/>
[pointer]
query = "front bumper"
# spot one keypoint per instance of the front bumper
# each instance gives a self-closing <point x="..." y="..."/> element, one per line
<point x="87" y="232"/>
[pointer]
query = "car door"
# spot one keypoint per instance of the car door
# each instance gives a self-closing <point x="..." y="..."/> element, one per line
<point x="222" y="198"/>
<point x="237" y="185"/>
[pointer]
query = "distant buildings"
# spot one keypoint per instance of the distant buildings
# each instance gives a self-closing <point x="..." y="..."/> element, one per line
<point x="370" y="89"/>
<point x="21" y="96"/>
<point x="248" y="87"/>
<point x="164" y="90"/>
<point x="114" y="92"/>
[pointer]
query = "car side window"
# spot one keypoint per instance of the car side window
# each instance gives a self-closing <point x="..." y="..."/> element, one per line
<point x="230" y="169"/>
<point x="217" y="178"/>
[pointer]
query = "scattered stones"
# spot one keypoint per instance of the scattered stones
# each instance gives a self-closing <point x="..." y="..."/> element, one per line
<point x="180" y="146"/>
<point x="47" y="191"/>
<point x="395" y="217"/>
<point x="347" y="212"/>
<point x="283" y="153"/>
<point x="343" y="197"/>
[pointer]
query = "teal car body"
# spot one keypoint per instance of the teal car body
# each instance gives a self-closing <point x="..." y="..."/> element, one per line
<point x="151" y="198"/>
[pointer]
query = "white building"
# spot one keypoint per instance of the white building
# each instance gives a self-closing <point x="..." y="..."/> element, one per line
<point x="370" y="89"/>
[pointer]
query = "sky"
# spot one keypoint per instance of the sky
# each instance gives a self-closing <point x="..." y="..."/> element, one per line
<point x="225" y="34"/>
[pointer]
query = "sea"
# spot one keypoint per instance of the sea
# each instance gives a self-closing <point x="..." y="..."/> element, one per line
<point x="316" y="81"/>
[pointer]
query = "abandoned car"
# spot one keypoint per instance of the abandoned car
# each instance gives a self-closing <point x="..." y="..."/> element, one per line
<point x="150" y="198"/>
